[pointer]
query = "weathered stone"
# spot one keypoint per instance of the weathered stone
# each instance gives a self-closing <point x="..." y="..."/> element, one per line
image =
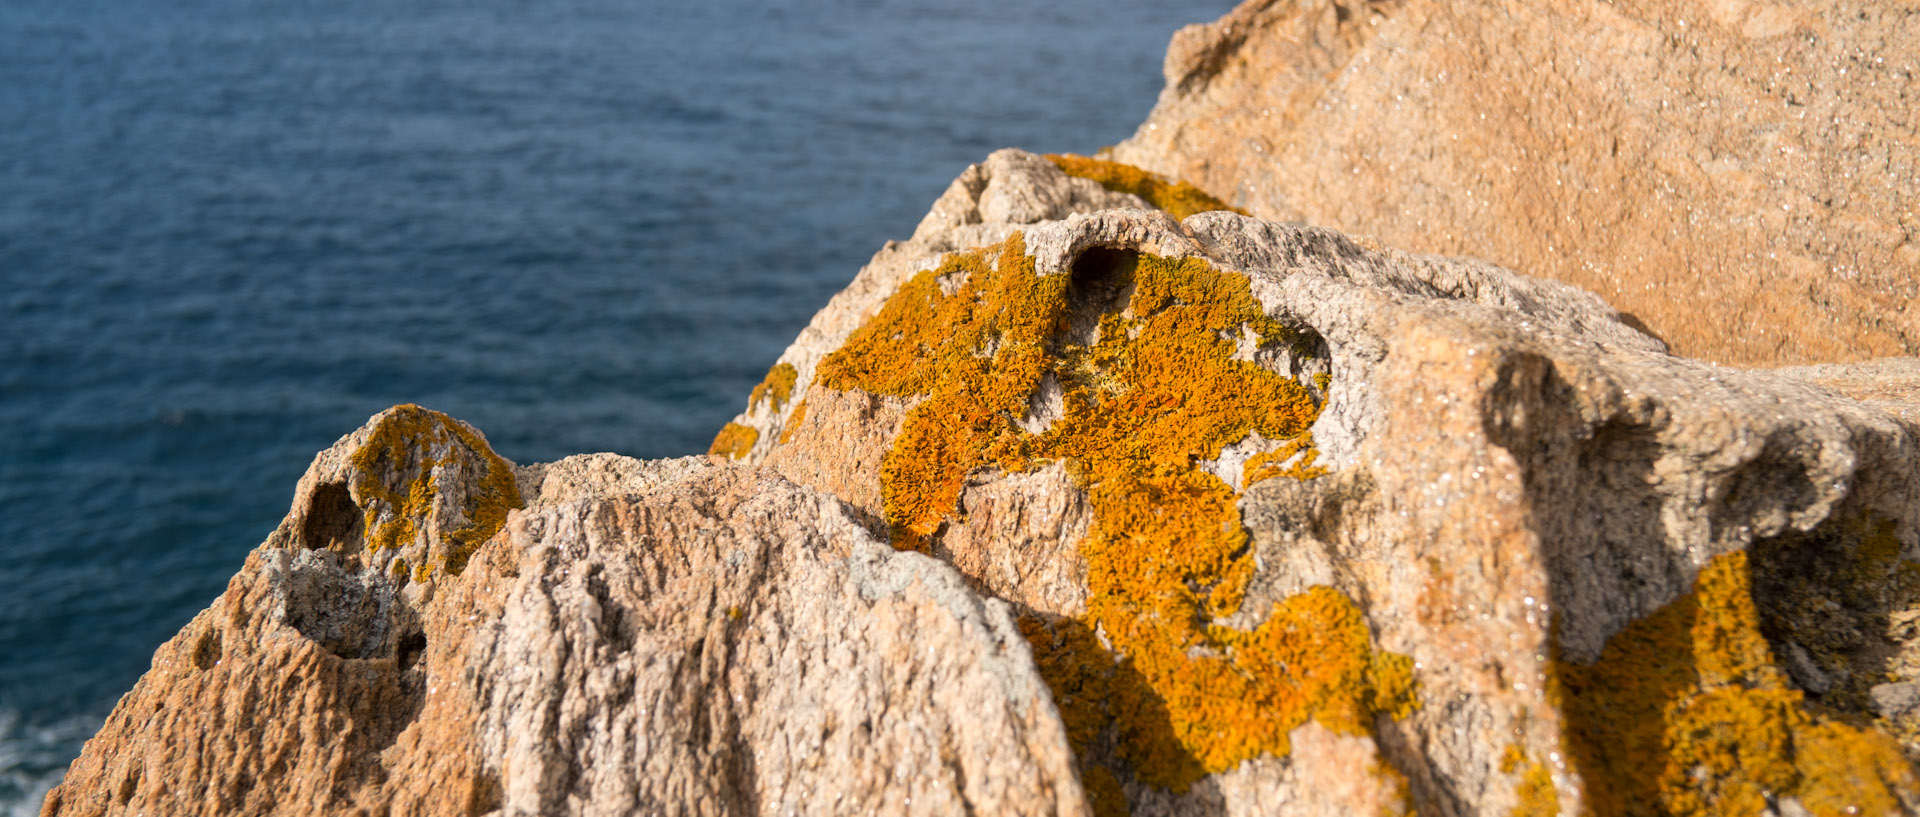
<point x="1224" y="516"/>
<point x="1738" y="175"/>
<point x="671" y="636"/>
<point x="1514" y="477"/>
<point x="983" y="206"/>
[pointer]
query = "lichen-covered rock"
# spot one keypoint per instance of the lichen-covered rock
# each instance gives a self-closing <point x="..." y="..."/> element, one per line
<point x="983" y="206"/>
<point x="1738" y="174"/>
<point x="663" y="637"/>
<point x="1482" y="546"/>
<point x="1213" y="516"/>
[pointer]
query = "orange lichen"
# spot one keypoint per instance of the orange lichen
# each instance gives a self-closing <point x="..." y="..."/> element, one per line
<point x="1179" y="199"/>
<point x="794" y="420"/>
<point x="776" y="387"/>
<point x="1294" y="458"/>
<point x="1534" y="790"/>
<point x="1147" y="393"/>
<point x="734" y="441"/>
<point x="1686" y="713"/>
<point x="403" y="443"/>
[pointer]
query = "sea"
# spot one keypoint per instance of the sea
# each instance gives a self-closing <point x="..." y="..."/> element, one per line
<point x="231" y="230"/>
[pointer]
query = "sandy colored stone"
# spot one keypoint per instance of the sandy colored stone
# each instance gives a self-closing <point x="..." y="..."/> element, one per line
<point x="1515" y="474"/>
<point x="836" y="447"/>
<point x="1738" y="175"/>
<point x="1018" y="535"/>
<point x="664" y="637"/>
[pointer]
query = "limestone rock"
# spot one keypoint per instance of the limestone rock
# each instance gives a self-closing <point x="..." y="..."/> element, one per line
<point x="1739" y="175"/>
<point x="660" y="637"/>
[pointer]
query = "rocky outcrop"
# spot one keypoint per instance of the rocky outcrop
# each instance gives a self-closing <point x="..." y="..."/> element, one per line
<point x="1739" y="175"/>
<point x="1067" y="506"/>
<point x="641" y="637"/>
<point x="1586" y="574"/>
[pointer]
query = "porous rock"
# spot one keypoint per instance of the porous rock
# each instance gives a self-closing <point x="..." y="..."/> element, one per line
<point x="642" y="637"/>
<point x="1499" y="554"/>
<point x="1737" y="174"/>
<point x="1514" y="476"/>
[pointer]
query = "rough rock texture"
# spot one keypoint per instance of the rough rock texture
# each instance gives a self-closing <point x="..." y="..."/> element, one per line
<point x="1738" y="174"/>
<point x="983" y="206"/>
<point x="1523" y="494"/>
<point x="660" y="637"/>
<point x="1219" y="516"/>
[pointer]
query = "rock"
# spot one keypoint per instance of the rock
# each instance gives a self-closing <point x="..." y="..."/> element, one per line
<point x="1896" y="700"/>
<point x="1213" y="516"/>
<point x="671" y="635"/>
<point x="1579" y="550"/>
<point x="1736" y="175"/>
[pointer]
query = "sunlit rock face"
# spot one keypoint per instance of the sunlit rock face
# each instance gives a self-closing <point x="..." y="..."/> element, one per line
<point x="1067" y="506"/>
<point x="1613" y="576"/>
<point x="1737" y="175"/>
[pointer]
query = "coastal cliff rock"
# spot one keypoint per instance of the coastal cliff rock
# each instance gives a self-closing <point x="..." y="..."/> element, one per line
<point x="1739" y="175"/>
<point x="1069" y="506"/>
<point x="641" y="637"/>
<point x="1298" y="524"/>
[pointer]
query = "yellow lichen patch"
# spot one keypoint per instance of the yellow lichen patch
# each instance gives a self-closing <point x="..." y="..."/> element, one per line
<point x="776" y="387"/>
<point x="734" y="441"/>
<point x="1686" y="713"/>
<point x="794" y="420"/>
<point x="1534" y="790"/>
<point x="1179" y="199"/>
<point x="1145" y="396"/>
<point x="403" y="443"/>
<point x="1267" y="465"/>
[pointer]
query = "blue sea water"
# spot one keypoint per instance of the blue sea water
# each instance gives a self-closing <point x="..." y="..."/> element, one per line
<point x="230" y="230"/>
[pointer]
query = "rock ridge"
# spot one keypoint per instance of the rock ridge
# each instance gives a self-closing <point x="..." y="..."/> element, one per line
<point x="1066" y="505"/>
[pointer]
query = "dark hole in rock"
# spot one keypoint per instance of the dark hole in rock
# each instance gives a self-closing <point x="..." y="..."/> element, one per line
<point x="332" y="518"/>
<point x="1098" y="287"/>
<point x="412" y="646"/>
<point x="206" y="650"/>
<point x="1826" y="598"/>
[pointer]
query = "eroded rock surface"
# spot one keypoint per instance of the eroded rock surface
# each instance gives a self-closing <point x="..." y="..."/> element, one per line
<point x="1214" y="516"/>
<point x="660" y="637"/>
<point x="1616" y="580"/>
<point x="1739" y="175"/>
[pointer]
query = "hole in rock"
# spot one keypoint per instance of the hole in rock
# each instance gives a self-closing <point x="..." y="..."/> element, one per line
<point x="411" y="648"/>
<point x="1097" y="288"/>
<point x="1827" y="600"/>
<point x="333" y="521"/>
<point x="206" y="650"/>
